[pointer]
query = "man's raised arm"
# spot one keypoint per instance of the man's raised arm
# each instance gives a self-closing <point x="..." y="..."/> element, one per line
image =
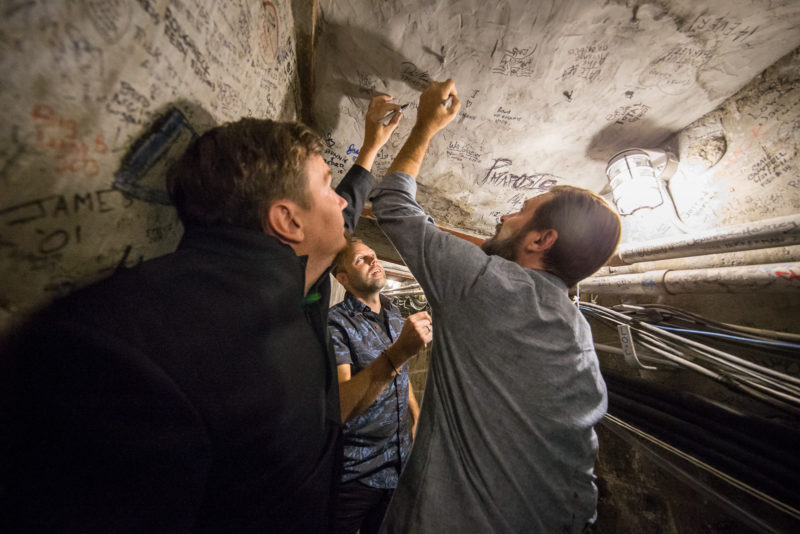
<point x="434" y="114"/>
<point x="444" y="265"/>
<point x="358" y="181"/>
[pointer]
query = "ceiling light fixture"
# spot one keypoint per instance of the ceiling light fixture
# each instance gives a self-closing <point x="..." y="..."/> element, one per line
<point x="638" y="178"/>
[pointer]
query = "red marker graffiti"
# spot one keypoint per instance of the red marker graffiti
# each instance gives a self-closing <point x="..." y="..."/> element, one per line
<point x="59" y="136"/>
<point x="788" y="275"/>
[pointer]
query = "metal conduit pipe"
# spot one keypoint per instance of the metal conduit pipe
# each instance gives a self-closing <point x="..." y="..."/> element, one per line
<point x="756" y="235"/>
<point x="403" y="291"/>
<point x="766" y="278"/>
<point x="787" y="254"/>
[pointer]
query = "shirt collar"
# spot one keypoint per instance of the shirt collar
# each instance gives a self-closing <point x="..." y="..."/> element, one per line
<point x="252" y="246"/>
<point x="237" y="242"/>
<point x="355" y="306"/>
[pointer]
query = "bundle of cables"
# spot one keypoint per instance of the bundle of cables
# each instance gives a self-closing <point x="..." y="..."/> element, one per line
<point x="671" y="337"/>
<point x="754" y="450"/>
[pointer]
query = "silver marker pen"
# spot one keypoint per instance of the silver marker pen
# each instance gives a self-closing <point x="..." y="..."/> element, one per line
<point x="386" y="118"/>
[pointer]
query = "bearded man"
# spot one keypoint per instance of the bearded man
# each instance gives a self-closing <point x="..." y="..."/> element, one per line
<point x="506" y="439"/>
<point x="372" y="345"/>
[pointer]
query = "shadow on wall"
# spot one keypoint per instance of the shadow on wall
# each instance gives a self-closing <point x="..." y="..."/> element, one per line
<point x="142" y="171"/>
<point x="627" y="132"/>
<point x="382" y="61"/>
<point x="68" y="238"/>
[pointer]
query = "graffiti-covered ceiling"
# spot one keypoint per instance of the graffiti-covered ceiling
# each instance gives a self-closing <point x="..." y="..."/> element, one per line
<point x="549" y="90"/>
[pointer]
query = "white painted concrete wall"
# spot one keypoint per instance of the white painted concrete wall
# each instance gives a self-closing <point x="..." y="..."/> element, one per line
<point x="81" y="81"/>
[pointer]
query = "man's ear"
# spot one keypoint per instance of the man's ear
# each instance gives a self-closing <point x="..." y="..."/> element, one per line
<point x="282" y="221"/>
<point x="540" y="240"/>
<point x="342" y="278"/>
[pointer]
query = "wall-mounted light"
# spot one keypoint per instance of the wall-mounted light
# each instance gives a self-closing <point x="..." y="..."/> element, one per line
<point x="638" y="178"/>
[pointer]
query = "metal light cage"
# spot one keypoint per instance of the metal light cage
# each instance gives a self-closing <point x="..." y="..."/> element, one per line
<point x="638" y="178"/>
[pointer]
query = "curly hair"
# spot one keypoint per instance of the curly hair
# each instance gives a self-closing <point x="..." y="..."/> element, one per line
<point x="233" y="173"/>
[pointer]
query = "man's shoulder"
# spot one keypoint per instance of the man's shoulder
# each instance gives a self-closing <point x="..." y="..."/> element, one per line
<point x="103" y="306"/>
<point x="337" y="310"/>
<point x="342" y="309"/>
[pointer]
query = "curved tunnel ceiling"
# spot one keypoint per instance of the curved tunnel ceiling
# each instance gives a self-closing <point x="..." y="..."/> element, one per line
<point x="549" y="90"/>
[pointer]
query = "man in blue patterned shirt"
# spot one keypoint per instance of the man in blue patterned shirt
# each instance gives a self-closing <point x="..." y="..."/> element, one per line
<point x="372" y="345"/>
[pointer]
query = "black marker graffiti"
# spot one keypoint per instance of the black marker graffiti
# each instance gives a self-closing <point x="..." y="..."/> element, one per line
<point x="499" y="175"/>
<point x="130" y="104"/>
<point x="415" y="77"/>
<point x="185" y="45"/>
<point x="517" y="62"/>
<point x="460" y="151"/>
<point x="625" y="114"/>
<point x="99" y="201"/>
<point x="588" y="62"/>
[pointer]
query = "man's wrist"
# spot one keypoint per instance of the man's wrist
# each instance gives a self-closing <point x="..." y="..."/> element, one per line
<point x="366" y="156"/>
<point x="369" y="149"/>
<point x="390" y="359"/>
<point x="423" y="132"/>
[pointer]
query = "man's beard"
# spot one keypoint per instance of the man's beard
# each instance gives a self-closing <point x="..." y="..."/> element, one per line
<point x="369" y="285"/>
<point x="505" y="248"/>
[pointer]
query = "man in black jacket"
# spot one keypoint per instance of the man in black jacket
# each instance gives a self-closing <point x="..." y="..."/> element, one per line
<point x="196" y="391"/>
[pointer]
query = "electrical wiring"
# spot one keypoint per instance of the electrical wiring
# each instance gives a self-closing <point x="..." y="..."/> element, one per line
<point x="770" y="333"/>
<point x="736" y="444"/>
<point x="764" y="348"/>
<point x="733" y="481"/>
<point x="748" y="332"/>
<point x="667" y="342"/>
<point x="647" y="358"/>
<point x="616" y="316"/>
<point x="686" y="363"/>
<point x="755" y="449"/>
<point x="731" y="357"/>
<point x="730" y="336"/>
<point x="748" y="389"/>
<point x="748" y="370"/>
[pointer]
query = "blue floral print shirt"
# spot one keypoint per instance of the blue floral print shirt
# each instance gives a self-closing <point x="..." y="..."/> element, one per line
<point x="377" y="441"/>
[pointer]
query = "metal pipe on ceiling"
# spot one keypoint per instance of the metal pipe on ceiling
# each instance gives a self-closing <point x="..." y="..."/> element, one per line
<point x="412" y="289"/>
<point x="779" y="231"/>
<point x="765" y="278"/>
<point x="785" y="254"/>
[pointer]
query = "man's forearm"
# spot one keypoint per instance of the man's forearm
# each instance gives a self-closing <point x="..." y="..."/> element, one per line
<point x="366" y="156"/>
<point x="411" y="156"/>
<point x="438" y="105"/>
<point x="354" y="188"/>
<point x="376" y="131"/>
<point x="358" y="393"/>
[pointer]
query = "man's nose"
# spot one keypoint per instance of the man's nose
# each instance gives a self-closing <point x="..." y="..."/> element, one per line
<point x="342" y="202"/>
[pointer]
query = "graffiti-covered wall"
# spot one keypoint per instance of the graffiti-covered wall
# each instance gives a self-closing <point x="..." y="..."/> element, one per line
<point x="737" y="164"/>
<point x="98" y="97"/>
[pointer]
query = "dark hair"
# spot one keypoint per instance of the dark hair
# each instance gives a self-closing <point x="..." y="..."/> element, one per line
<point x="345" y="254"/>
<point x="588" y="232"/>
<point x="233" y="173"/>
